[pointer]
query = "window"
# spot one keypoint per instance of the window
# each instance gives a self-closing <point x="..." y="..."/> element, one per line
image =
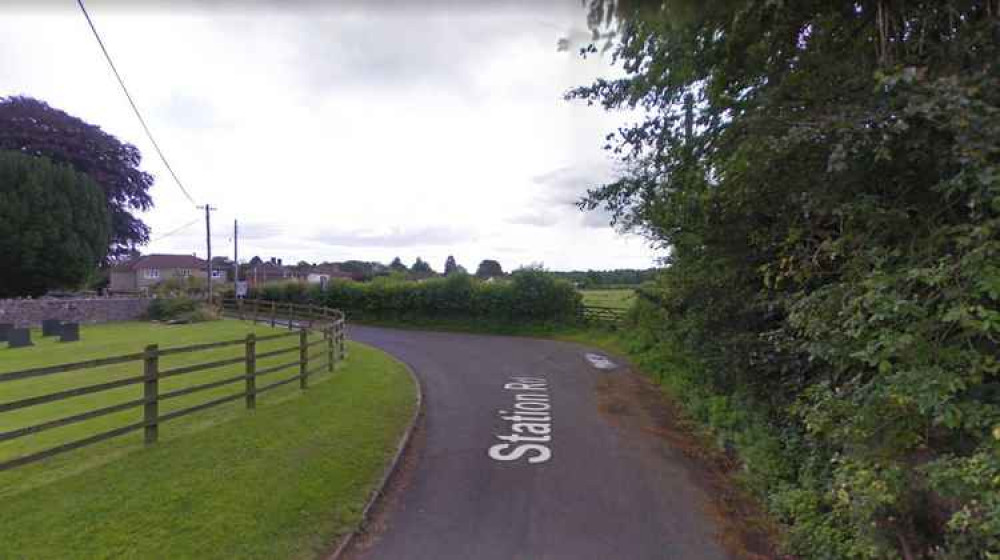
<point x="152" y="272"/>
<point x="216" y="273"/>
<point x="184" y="272"/>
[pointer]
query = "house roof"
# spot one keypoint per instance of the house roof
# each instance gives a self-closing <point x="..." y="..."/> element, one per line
<point x="162" y="261"/>
<point x="331" y="269"/>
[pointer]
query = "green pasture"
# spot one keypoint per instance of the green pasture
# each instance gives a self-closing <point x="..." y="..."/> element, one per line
<point x="281" y="481"/>
<point x="617" y="299"/>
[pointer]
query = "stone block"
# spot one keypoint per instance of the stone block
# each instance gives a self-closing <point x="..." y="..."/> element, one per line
<point x="70" y="332"/>
<point x="51" y="327"/>
<point x="19" y="338"/>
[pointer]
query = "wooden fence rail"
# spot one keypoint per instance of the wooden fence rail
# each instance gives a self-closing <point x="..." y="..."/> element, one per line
<point x="328" y="323"/>
<point x="600" y="314"/>
<point x="288" y="314"/>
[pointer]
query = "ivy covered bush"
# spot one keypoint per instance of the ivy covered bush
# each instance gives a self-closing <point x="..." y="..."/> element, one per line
<point x="826" y="176"/>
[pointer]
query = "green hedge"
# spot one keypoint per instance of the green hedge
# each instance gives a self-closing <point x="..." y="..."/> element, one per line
<point x="180" y="309"/>
<point x="528" y="296"/>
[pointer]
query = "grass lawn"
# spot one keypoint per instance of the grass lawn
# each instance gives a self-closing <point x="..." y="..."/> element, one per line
<point x="278" y="482"/>
<point x="617" y="299"/>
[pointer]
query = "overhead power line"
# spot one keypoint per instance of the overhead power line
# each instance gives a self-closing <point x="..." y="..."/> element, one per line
<point x="135" y="109"/>
<point x="177" y="230"/>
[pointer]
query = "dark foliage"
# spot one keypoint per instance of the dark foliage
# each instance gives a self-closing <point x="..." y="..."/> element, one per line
<point x="489" y="268"/>
<point x="608" y="278"/>
<point x="32" y="127"/>
<point x="421" y="268"/>
<point x="531" y="295"/>
<point x="54" y="226"/>
<point x="827" y="178"/>
<point x="450" y="266"/>
<point x="397" y="265"/>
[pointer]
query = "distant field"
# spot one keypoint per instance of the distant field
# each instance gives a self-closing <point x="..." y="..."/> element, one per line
<point x="617" y="299"/>
<point x="281" y="481"/>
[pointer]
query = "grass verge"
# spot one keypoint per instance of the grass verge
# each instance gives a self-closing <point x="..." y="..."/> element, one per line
<point x="283" y="481"/>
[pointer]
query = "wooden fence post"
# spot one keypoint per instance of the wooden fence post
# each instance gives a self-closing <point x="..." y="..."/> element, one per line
<point x="239" y="307"/>
<point x="340" y="337"/>
<point x="274" y="312"/>
<point x="151" y="393"/>
<point x="290" y="315"/>
<point x="256" y="309"/>
<point x="251" y="354"/>
<point x="303" y="359"/>
<point x="328" y="333"/>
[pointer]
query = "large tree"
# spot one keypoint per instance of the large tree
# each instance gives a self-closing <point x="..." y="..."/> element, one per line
<point x="32" y="127"/>
<point x="826" y="176"/>
<point x="397" y="265"/>
<point x="489" y="268"/>
<point x="420" y="267"/>
<point x="54" y="225"/>
<point x="450" y="265"/>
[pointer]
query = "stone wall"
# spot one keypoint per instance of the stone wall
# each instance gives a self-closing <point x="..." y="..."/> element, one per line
<point x="30" y="312"/>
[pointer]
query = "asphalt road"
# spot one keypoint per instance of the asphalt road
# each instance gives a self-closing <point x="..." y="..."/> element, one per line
<point x="591" y="483"/>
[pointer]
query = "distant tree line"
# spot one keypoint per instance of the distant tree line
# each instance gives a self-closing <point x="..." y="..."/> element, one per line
<point x="364" y="271"/>
<point x="608" y="278"/>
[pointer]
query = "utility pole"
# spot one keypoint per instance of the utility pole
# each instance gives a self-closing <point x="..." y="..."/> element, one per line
<point x="236" y="260"/>
<point x="208" y="243"/>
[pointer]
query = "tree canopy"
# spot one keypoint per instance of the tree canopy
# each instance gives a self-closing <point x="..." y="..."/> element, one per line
<point x="826" y="176"/>
<point x="397" y="265"/>
<point x="450" y="265"/>
<point x="54" y="225"/>
<point x="421" y="267"/>
<point x="489" y="268"/>
<point x="32" y="127"/>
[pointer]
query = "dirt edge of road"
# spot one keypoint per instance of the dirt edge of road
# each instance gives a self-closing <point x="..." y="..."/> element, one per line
<point x="393" y="475"/>
<point x="631" y="401"/>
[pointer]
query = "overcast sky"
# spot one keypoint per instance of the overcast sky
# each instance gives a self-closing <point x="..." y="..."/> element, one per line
<point x="337" y="130"/>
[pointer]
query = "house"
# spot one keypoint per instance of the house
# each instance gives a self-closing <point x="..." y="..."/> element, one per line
<point x="264" y="272"/>
<point x="147" y="271"/>
<point x="222" y="269"/>
<point x="322" y="274"/>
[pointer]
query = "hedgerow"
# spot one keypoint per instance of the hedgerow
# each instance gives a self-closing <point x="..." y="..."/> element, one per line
<point x="827" y="178"/>
<point x="528" y="296"/>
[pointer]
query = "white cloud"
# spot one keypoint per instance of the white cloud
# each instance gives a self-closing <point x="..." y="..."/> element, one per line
<point x="352" y="131"/>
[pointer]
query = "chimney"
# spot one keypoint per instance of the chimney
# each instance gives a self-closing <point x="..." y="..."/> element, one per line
<point x="279" y="262"/>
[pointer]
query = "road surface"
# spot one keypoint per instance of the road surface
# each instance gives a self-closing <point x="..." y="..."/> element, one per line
<point x="531" y="451"/>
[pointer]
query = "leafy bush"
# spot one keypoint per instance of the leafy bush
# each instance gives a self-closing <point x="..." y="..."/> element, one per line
<point x="827" y="178"/>
<point x="180" y="309"/>
<point x="530" y="295"/>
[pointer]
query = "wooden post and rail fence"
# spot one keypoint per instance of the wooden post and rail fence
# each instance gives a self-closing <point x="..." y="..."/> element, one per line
<point x="602" y="315"/>
<point x="329" y="323"/>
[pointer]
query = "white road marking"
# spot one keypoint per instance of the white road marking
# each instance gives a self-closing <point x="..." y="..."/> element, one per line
<point x="530" y="420"/>
<point x="599" y="361"/>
